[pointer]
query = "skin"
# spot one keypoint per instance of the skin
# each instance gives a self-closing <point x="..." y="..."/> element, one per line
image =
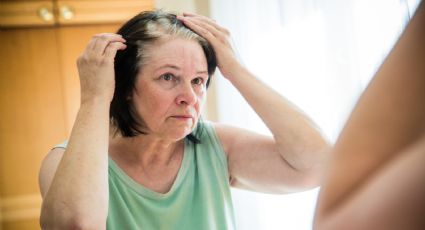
<point x="289" y="161"/>
<point x="169" y="94"/>
<point x="75" y="182"/>
<point x="376" y="178"/>
<point x="171" y="90"/>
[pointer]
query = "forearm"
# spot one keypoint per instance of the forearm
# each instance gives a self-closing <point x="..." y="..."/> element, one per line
<point x="78" y="194"/>
<point x="297" y="138"/>
<point x="297" y="146"/>
<point x="388" y="118"/>
<point x="393" y="198"/>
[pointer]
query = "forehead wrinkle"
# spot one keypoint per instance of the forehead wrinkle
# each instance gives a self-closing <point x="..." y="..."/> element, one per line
<point x="168" y="66"/>
<point x="178" y="56"/>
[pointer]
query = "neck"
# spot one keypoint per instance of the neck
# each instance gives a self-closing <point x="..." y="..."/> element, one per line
<point x="144" y="149"/>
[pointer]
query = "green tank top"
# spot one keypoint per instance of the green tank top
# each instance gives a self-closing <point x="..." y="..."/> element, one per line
<point x="199" y="198"/>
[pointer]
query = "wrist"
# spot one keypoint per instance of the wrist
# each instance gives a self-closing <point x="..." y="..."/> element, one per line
<point x="98" y="100"/>
<point x="235" y="72"/>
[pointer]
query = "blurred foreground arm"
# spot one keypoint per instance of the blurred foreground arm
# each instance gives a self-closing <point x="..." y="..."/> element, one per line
<point x="376" y="178"/>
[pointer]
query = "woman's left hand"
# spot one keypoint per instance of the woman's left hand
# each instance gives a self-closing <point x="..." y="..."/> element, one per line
<point x="289" y="161"/>
<point x="218" y="37"/>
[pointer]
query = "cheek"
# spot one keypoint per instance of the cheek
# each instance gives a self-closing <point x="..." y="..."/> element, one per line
<point x="201" y="101"/>
<point x="144" y="102"/>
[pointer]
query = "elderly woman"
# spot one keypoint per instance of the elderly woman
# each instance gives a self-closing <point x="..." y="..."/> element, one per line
<point x="139" y="157"/>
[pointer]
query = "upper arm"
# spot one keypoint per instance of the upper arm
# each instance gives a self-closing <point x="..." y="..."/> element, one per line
<point x="255" y="163"/>
<point x="48" y="169"/>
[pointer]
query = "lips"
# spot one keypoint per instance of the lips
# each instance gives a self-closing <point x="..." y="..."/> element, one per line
<point x="183" y="116"/>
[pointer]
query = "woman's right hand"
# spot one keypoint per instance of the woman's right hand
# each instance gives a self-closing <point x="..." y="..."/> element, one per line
<point x="74" y="182"/>
<point x="96" y="66"/>
<point x="219" y="38"/>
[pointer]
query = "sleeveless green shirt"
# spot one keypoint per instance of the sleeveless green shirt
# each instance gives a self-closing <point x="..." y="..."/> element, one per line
<point x="199" y="198"/>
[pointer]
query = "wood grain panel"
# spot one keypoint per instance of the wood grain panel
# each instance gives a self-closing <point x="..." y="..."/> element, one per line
<point x="31" y="224"/>
<point x="39" y="99"/>
<point x="72" y="42"/>
<point x="31" y="104"/>
<point x="26" y="13"/>
<point x="97" y="11"/>
<point x="20" y="208"/>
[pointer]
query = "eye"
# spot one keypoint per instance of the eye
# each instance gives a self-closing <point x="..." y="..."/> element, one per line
<point x="167" y="77"/>
<point x="168" y="80"/>
<point x="198" y="81"/>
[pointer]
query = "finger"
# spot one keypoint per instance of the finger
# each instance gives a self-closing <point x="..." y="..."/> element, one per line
<point x="94" y="39"/>
<point x="91" y="44"/>
<point x="103" y="40"/>
<point x="211" y="29"/>
<point x="193" y="15"/>
<point x="207" y="20"/>
<point x="105" y="34"/>
<point x="112" y="48"/>
<point x="188" y="14"/>
<point x="199" y="29"/>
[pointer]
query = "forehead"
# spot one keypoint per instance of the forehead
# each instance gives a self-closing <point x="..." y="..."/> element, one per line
<point x="176" y="51"/>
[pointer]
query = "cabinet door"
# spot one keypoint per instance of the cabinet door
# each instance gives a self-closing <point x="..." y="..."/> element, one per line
<point x="32" y="119"/>
<point x="26" y="13"/>
<point x="72" y="41"/>
<point x="39" y="100"/>
<point x="40" y="92"/>
<point x="71" y="12"/>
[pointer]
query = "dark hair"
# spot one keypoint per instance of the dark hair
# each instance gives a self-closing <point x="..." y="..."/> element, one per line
<point x="140" y="32"/>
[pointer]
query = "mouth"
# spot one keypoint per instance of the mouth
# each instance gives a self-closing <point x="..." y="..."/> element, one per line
<point x="182" y="117"/>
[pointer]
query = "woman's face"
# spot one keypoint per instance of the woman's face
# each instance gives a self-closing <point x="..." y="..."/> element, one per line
<point x="170" y="89"/>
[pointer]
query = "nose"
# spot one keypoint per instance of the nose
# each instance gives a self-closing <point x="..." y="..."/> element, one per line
<point x="187" y="95"/>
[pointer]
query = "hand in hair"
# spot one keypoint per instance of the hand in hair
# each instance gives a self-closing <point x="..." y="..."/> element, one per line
<point x="96" y="66"/>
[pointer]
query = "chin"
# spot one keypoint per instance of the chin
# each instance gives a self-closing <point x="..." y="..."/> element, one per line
<point x="179" y="135"/>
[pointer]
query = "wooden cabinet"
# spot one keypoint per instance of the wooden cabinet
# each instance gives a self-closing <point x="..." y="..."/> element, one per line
<point x="39" y="90"/>
<point x="69" y="12"/>
<point x="26" y="13"/>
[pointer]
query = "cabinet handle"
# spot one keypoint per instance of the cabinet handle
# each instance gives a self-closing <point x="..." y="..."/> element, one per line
<point x="45" y="14"/>
<point x="66" y="12"/>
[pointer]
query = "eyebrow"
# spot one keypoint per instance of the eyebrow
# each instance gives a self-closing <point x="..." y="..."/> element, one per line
<point x="178" y="68"/>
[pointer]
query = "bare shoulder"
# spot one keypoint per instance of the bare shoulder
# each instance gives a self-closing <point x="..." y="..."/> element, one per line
<point x="232" y="137"/>
<point x="224" y="134"/>
<point x="227" y="134"/>
<point x="48" y="169"/>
